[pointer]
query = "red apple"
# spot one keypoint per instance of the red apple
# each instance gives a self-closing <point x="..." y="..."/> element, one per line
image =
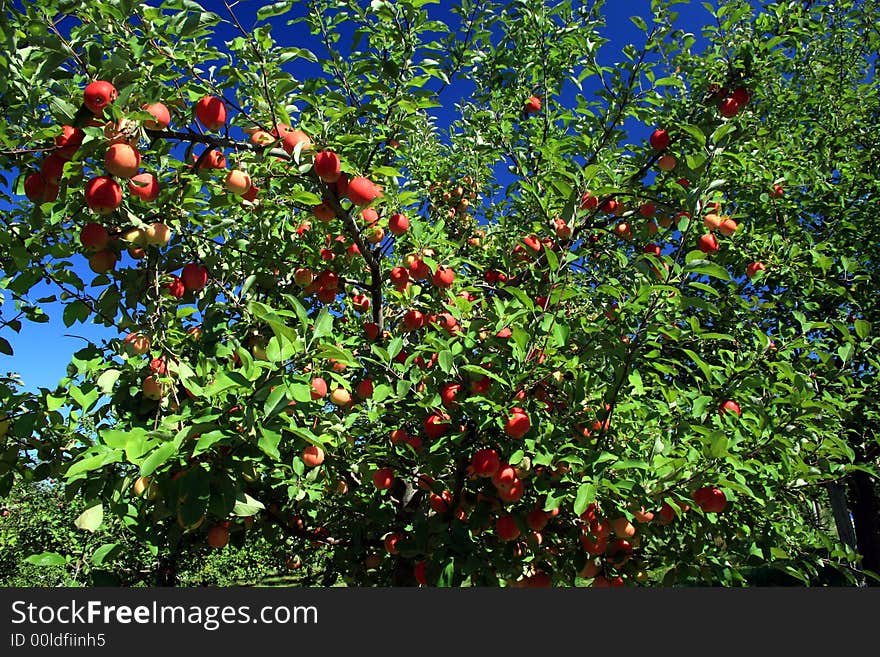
<point x="238" y="182"/>
<point x="729" y="108"/>
<point x="364" y="389"/>
<point x="327" y="166"/>
<point x="710" y="499"/>
<point x="194" y="276"/>
<point x="659" y="139"/>
<point x="161" y="116"/>
<point x="68" y="141"/>
<point x="398" y="224"/>
<point x="730" y="406"/>
<point x="436" y="425"/>
<point x="448" y="394"/>
<point x="175" y="287"/>
<point x="485" y="462"/>
<point x="98" y="95"/>
<point x="518" y="423"/>
<point x="52" y="168"/>
<point x="507" y="528"/>
<point x="313" y="456"/>
<point x="666" y="163"/>
<point x="443" y="277"/>
<point x="362" y="191"/>
<point x="753" y="268"/>
<point x="533" y="105"/>
<point x="211" y="112"/>
<point x="708" y="244"/>
<point x="145" y="186"/>
<point x="122" y="160"/>
<point x="94" y="237"/>
<point x="413" y="320"/>
<point x="318" y="388"/>
<point x="103" y="261"/>
<point x="383" y="478"/>
<point x="103" y="195"/>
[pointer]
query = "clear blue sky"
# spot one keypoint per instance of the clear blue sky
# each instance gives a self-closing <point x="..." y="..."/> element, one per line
<point x="42" y="351"/>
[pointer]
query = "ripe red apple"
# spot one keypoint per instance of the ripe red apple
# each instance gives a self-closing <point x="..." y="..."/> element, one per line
<point x="507" y="528"/>
<point x="364" y="389"/>
<point x="623" y="528"/>
<point x="161" y="116"/>
<point x="666" y="163"/>
<point x="647" y="210"/>
<point x="589" y="202"/>
<point x="533" y="105"/>
<point x="391" y="541"/>
<point x="67" y="143"/>
<point x="292" y="137"/>
<point x="710" y="499"/>
<point x="399" y="277"/>
<point x="443" y="277"/>
<point x="383" y="478"/>
<point x="103" y="194"/>
<point x="659" y="139"/>
<point x="152" y="388"/>
<point x="238" y="182"/>
<point x="137" y="344"/>
<point x="504" y="476"/>
<point x="362" y="191"/>
<point x="729" y="108"/>
<point x="218" y="537"/>
<point x="35" y="187"/>
<point x="448" y="393"/>
<point x="729" y="406"/>
<point x="122" y="160"/>
<point x="371" y="330"/>
<point x="175" y="287"/>
<point x="398" y="223"/>
<point x="708" y="244"/>
<point x="537" y="519"/>
<point x="313" y="456"/>
<point x="741" y="95"/>
<point x="194" y="276"/>
<point x="103" y="261"/>
<point x="563" y="230"/>
<point x="211" y="112"/>
<point x="360" y="302"/>
<point x="98" y="95"/>
<point x="52" y="168"/>
<point x="370" y="216"/>
<point x="753" y="268"/>
<point x="213" y="160"/>
<point x="513" y="492"/>
<point x="485" y="462"/>
<point x="94" y="237"/>
<point x="413" y="320"/>
<point x="440" y="503"/>
<point x="436" y="425"/>
<point x="318" y="388"/>
<point x="712" y="221"/>
<point x="777" y="191"/>
<point x="327" y="166"/>
<point x="727" y="227"/>
<point x="518" y="423"/>
<point x="145" y="186"/>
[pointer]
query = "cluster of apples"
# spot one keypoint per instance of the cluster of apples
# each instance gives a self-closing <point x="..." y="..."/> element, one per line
<point x="453" y="199"/>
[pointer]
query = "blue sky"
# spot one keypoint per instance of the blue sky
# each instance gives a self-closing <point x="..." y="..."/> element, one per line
<point x="42" y="351"/>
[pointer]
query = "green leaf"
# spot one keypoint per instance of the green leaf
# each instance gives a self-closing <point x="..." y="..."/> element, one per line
<point x="863" y="328"/>
<point x="91" y="518"/>
<point x="586" y="494"/>
<point x="275" y="9"/>
<point x="158" y="457"/>
<point x="718" y="448"/>
<point x="323" y="324"/>
<point x="707" y="268"/>
<point x="445" y="360"/>
<point x="268" y="442"/>
<point x="106" y="553"/>
<point x="247" y="506"/>
<point x="46" y="559"/>
<point x="5" y="347"/>
<point x="107" y="380"/>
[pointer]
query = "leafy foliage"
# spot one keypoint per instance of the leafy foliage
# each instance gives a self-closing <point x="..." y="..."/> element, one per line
<point x="582" y="293"/>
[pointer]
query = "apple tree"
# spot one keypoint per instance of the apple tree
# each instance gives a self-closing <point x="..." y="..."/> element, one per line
<point x="462" y="295"/>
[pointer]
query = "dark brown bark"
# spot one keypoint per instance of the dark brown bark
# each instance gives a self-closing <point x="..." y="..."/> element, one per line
<point x="863" y="494"/>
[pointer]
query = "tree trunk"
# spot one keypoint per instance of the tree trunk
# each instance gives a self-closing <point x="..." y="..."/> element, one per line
<point x="866" y="516"/>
